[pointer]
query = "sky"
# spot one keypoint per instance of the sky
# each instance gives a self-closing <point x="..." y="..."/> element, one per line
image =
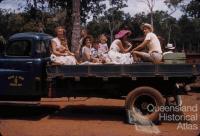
<point x="134" y="6"/>
<point x="12" y="4"/>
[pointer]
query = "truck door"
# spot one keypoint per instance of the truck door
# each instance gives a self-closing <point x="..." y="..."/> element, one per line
<point x="17" y="69"/>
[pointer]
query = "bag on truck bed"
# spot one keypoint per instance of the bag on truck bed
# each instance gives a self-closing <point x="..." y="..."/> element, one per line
<point x="174" y="58"/>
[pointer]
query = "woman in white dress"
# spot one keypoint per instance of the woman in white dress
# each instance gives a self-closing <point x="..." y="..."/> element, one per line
<point x="118" y="53"/>
<point x="60" y="51"/>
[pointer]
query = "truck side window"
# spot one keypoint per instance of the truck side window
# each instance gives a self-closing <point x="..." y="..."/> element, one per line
<point x="42" y="48"/>
<point x="19" y="48"/>
<point x="48" y="47"/>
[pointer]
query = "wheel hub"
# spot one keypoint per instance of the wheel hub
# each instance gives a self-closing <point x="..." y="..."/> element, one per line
<point x="144" y="105"/>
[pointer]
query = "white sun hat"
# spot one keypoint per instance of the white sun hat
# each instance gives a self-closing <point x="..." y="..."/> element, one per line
<point x="170" y="46"/>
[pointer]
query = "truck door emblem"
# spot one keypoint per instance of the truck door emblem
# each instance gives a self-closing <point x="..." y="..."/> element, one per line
<point x="15" y="80"/>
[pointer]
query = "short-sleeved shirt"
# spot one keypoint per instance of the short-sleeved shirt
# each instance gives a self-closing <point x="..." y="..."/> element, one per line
<point x="94" y="53"/>
<point x="57" y="41"/>
<point x="154" y="44"/>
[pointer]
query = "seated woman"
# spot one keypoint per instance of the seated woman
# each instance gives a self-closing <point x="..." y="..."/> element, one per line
<point x="118" y="53"/>
<point x="60" y="51"/>
<point x="87" y="55"/>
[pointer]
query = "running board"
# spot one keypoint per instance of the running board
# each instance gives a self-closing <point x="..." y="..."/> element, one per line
<point x="28" y="103"/>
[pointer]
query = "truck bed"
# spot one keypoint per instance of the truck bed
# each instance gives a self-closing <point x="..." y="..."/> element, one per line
<point x="133" y="70"/>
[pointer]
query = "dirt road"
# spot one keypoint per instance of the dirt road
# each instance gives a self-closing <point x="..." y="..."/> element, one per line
<point x="88" y="117"/>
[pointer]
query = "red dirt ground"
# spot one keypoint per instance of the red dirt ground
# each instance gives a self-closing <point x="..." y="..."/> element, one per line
<point x="84" y="117"/>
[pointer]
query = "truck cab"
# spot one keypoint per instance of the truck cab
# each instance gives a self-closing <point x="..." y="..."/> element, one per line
<point x="22" y="66"/>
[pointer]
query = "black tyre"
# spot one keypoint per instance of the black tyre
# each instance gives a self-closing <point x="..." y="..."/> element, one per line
<point x="142" y="105"/>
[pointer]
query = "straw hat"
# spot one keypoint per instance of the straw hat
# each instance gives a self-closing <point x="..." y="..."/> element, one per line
<point x="122" y="33"/>
<point x="147" y="26"/>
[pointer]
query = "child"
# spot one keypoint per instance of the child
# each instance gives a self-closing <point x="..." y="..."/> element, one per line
<point x="103" y="47"/>
<point x="94" y="50"/>
<point x="64" y="48"/>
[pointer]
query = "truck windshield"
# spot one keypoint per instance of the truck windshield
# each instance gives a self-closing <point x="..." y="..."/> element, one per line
<point x="19" y="48"/>
<point x="1" y="48"/>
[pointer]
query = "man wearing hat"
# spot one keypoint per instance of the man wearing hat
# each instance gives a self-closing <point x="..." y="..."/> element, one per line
<point x="169" y="49"/>
<point x="152" y="43"/>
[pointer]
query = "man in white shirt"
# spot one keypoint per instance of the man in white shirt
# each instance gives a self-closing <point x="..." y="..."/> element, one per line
<point x="152" y="43"/>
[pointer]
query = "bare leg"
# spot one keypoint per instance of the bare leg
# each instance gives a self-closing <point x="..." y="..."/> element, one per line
<point x="136" y="58"/>
<point x="142" y="55"/>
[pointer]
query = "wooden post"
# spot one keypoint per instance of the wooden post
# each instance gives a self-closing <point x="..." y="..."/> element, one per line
<point x="50" y="88"/>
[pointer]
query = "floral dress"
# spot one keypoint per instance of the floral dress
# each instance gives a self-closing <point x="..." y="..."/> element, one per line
<point x="117" y="57"/>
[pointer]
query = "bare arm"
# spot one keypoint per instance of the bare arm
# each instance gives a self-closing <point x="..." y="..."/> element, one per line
<point x="142" y="45"/>
<point x="106" y="48"/>
<point x="89" y="57"/>
<point x="129" y="45"/>
<point x="87" y="54"/>
<point x="54" y="51"/>
<point x="122" y="49"/>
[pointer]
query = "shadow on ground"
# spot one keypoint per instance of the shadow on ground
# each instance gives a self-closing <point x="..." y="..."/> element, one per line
<point x="71" y="112"/>
<point x="26" y="112"/>
<point x="83" y="112"/>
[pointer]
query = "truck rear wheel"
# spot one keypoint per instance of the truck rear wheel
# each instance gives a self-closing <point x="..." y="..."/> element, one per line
<point x="142" y="105"/>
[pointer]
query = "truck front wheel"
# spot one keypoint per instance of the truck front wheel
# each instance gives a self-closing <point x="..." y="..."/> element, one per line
<point x="142" y="105"/>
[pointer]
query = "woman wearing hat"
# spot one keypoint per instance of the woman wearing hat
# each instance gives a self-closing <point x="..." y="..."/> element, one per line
<point x="152" y="43"/>
<point x="118" y="53"/>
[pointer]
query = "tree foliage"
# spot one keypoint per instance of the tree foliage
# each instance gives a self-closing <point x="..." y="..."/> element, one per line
<point x="47" y="14"/>
<point x="173" y="5"/>
<point x="193" y="9"/>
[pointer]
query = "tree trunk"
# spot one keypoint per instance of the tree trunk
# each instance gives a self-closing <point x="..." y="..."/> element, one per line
<point x="35" y="4"/>
<point x="111" y="36"/>
<point x="111" y="31"/>
<point x="76" y="27"/>
<point x="151" y="14"/>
